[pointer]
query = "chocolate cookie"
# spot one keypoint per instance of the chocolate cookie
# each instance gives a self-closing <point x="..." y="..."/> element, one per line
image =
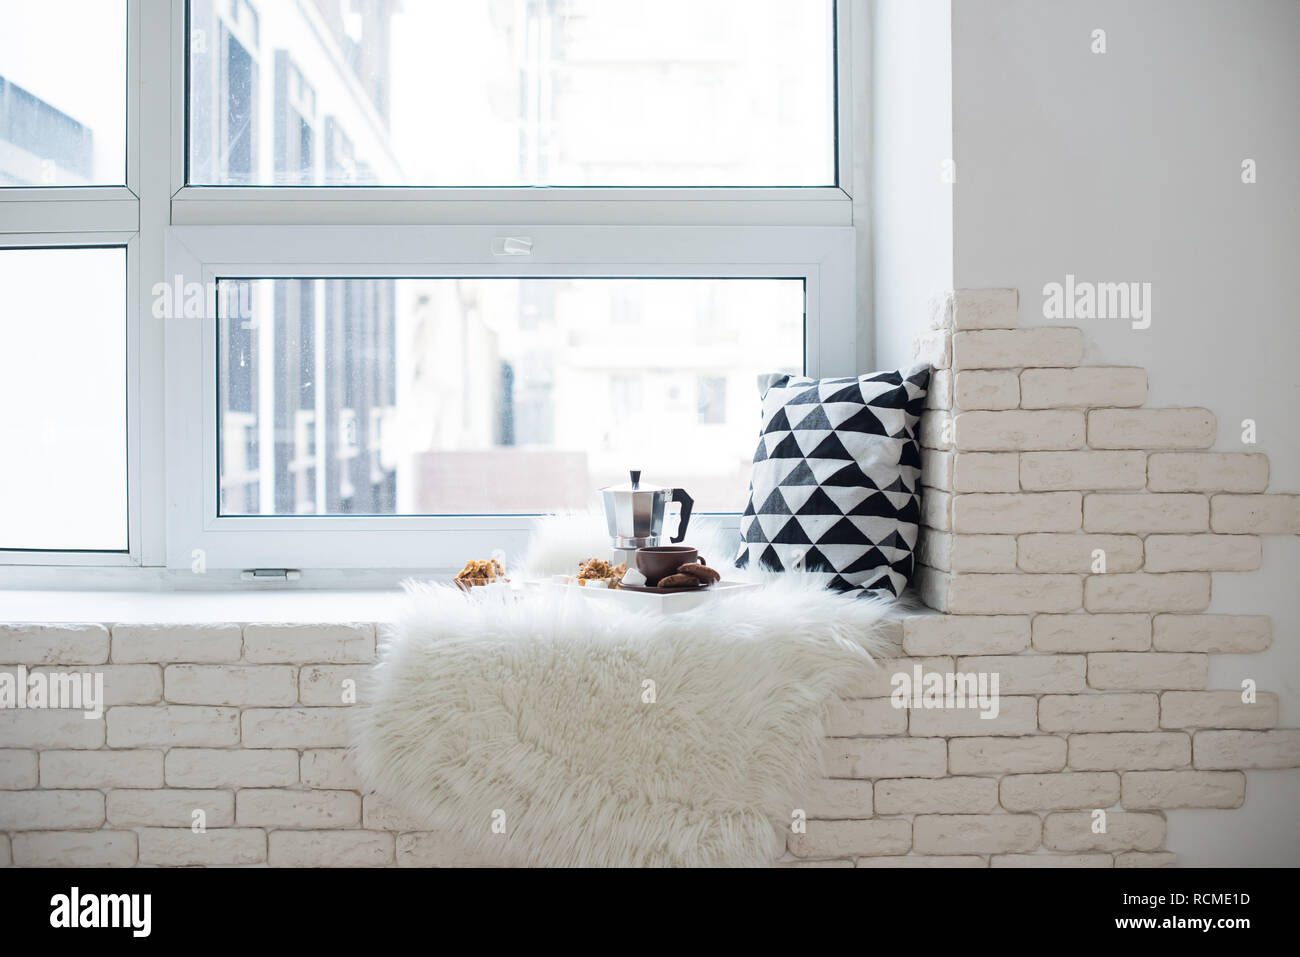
<point x="701" y="571"/>
<point x="680" y="581"/>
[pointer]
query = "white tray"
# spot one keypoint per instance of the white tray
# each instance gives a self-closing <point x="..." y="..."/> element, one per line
<point x="664" y="603"/>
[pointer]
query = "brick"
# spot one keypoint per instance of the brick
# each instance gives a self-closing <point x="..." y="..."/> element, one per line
<point x="1125" y="751"/>
<point x="800" y="865"/>
<point x="936" y="469"/>
<point x="1146" y="512"/>
<point x="1017" y="430"/>
<point x="179" y="726"/>
<point x="379" y="814"/>
<point x="331" y="849"/>
<point x="167" y="644"/>
<point x="101" y="769"/>
<point x="1082" y="633"/>
<point x="123" y="684"/>
<point x="965" y="634"/>
<point x="1169" y="591"/>
<point x="77" y="849"/>
<point x="942" y="796"/>
<point x="1083" y="470"/>
<point x="295" y="728"/>
<point x="170" y="808"/>
<point x="273" y="807"/>
<point x="32" y="644"/>
<point x="1071" y="790"/>
<point x="935" y="431"/>
<point x="236" y="685"/>
<point x="1147" y="671"/>
<point x="1072" y="831"/>
<point x="934" y="548"/>
<point x="852" y="839"/>
<point x="1031" y="674"/>
<point x="935" y="347"/>
<point x="979" y="389"/>
<point x="983" y="553"/>
<point x="30" y="728"/>
<point x="1171" y="789"/>
<point x="879" y="681"/>
<point x="6" y="858"/>
<point x="50" y="810"/>
<point x="1207" y="472"/>
<point x="1015" y="716"/>
<point x="300" y="644"/>
<point x="936" y="509"/>
<point x="1075" y="553"/>
<point x="1089" y="387"/>
<point x="986" y="472"/>
<point x="333" y="685"/>
<point x="978" y="594"/>
<point x="885" y="757"/>
<point x="939" y="393"/>
<point x="1098" y="712"/>
<point x="928" y="860"/>
<point x="1015" y="512"/>
<point x="975" y="833"/>
<point x="1051" y="860"/>
<point x="1255" y="514"/>
<point x="1209" y="553"/>
<point x="236" y="768"/>
<point x="1217" y="709"/>
<point x="1151" y="428"/>
<point x="1139" y="859"/>
<point x="330" y="769"/>
<point x="835" y="799"/>
<point x="1247" y="749"/>
<point x="931" y="586"/>
<point x="1006" y="755"/>
<point x="215" y="847"/>
<point x="17" y="770"/>
<point x="1215" y="634"/>
<point x="862" y="717"/>
<point x="434" y="849"/>
<point x="985" y="308"/>
<point x="1017" y="348"/>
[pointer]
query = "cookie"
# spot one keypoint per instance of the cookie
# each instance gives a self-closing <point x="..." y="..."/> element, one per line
<point x="680" y="581"/>
<point x="701" y="571"/>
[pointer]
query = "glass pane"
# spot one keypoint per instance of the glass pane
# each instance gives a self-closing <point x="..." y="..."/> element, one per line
<point x="459" y="396"/>
<point x="63" y="399"/>
<point x="522" y="93"/>
<point x="62" y="92"/>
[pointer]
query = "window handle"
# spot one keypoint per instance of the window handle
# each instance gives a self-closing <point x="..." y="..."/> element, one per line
<point x="512" y="246"/>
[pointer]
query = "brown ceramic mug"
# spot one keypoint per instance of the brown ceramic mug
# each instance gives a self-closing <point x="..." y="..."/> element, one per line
<point x="659" y="561"/>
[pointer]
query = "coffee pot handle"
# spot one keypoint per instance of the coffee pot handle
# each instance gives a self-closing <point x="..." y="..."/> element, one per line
<point x="687" y="503"/>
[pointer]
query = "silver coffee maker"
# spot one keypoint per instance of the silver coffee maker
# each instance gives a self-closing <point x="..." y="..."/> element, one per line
<point x="635" y="515"/>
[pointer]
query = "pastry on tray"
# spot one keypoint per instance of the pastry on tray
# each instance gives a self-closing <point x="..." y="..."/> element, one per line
<point x="597" y="569"/>
<point x="478" y="572"/>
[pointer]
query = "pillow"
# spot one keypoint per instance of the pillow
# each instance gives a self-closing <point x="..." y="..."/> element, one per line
<point x="836" y="479"/>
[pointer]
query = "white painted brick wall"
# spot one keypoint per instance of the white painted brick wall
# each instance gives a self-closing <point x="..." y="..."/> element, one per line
<point x="1082" y="470"/>
<point x="1092" y="387"/>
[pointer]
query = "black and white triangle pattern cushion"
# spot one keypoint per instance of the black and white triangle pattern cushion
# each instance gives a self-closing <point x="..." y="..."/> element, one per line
<point x="836" y="479"/>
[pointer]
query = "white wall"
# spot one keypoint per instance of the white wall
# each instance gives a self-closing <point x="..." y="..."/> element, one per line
<point x="1126" y="166"/>
<point x="911" y="136"/>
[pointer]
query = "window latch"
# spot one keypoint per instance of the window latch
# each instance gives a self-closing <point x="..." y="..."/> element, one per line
<point x="270" y="575"/>
<point x="512" y="245"/>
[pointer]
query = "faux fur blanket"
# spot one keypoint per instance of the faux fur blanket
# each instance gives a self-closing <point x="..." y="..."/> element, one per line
<point x="561" y="729"/>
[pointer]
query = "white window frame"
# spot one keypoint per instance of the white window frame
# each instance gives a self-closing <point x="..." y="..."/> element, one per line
<point x="171" y="229"/>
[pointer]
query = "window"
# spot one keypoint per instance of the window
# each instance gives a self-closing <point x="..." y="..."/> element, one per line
<point x="63" y="384"/>
<point x="536" y="93"/>
<point x="337" y="284"/>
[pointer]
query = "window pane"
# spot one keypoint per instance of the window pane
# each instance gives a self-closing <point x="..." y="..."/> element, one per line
<point x="62" y="92"/>
<point x="526" y="93"/>
<point x="459" y="396"/>
<point x="63" y="399"/>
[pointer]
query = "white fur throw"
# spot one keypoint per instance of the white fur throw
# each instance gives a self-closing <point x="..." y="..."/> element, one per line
<point x="527" y="729"/>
